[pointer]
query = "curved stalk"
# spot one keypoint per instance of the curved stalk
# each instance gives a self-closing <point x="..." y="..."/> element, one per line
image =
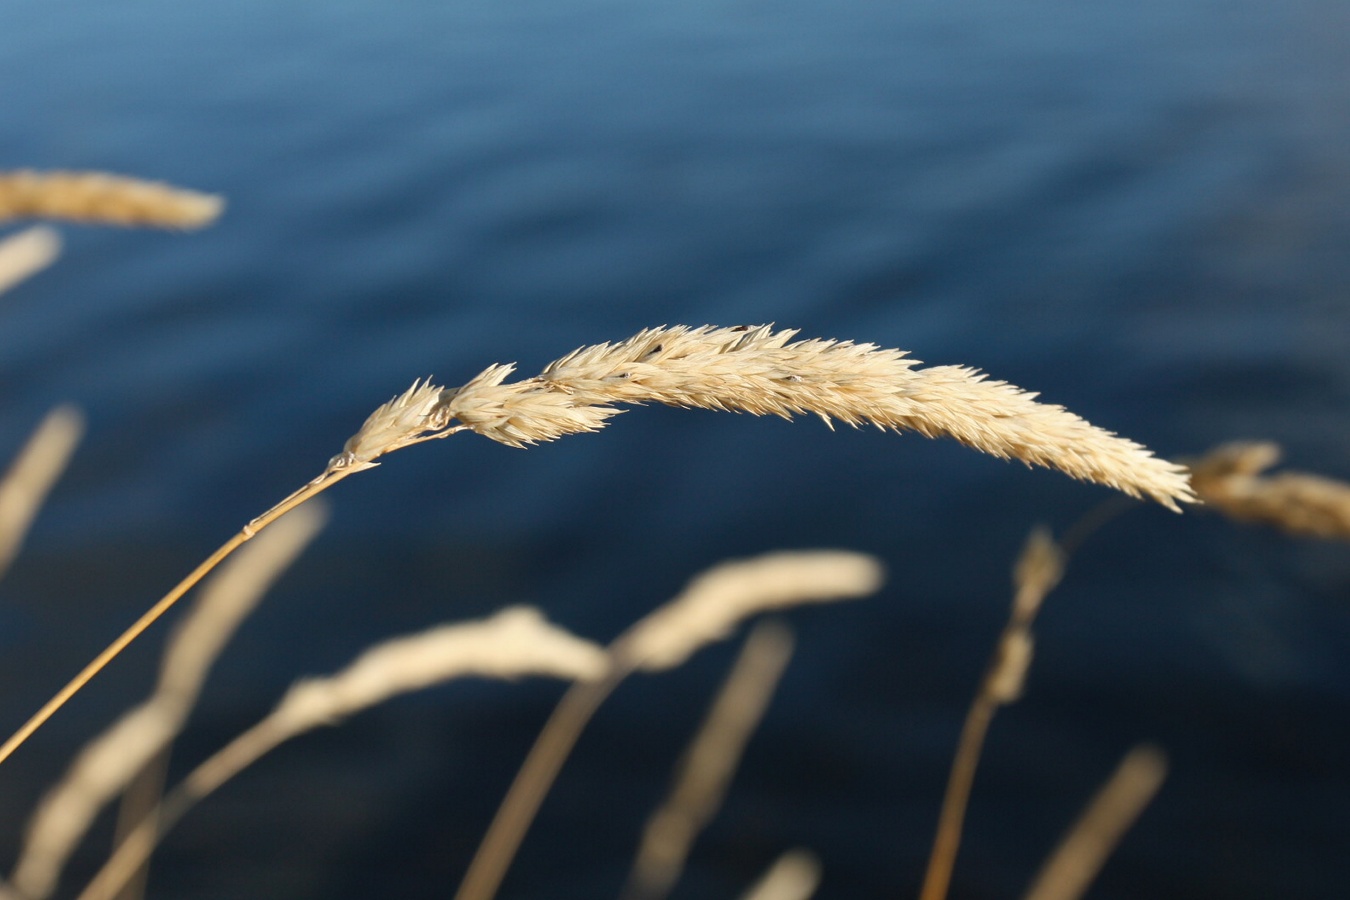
<point x="331" y="476"/>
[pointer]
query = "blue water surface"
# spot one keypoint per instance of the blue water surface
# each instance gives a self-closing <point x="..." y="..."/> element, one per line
<point x="1141" y="211"/>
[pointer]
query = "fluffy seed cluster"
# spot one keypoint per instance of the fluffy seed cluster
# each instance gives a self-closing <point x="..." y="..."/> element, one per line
<point x="516" y="641"/>
<point x="26" y="253"/>
<point x="415" y="415"/>
<point x="105" y="199"/>
<point x="762" y="371"/>
<point x="1231" y="479"/>
<point x="715" y="602"/>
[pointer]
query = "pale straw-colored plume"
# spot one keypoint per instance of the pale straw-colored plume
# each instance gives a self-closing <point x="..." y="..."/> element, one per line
<point x="415" y="415"/>
<point x="762" y="371"/>
<point x="31" y="476"/>
<point x="705" y="611"/>
<point x="1229" y="479"/>
<point x="794" y="876"/>
<point x="706" y="770"/>
<point x="26" y="253"/>
<point x="515" y="642"/>
<point x="104" y="199"/>
<point x="1070" y="870"/>
<point x="715" y="602"/>
<point x="109" y="762"/>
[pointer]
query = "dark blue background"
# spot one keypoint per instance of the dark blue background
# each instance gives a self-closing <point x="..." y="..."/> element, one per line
<point x="1141" y="211"/>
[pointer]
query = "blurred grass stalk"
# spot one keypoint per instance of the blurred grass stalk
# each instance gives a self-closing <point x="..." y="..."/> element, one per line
<point x="1070" y="870"/>
<point x="706" y="770"/>
<point x="1038" y="569"/>
<point x="794" y="876"/>
<point x="32" y="474"/>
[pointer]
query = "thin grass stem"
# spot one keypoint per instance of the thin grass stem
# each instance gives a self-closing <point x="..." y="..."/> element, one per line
<point x="1037" y="571"/>
<point x="110" y="761"/>
<point x="704" y="774"/>
<point x="531" y="785"/>
<point x="1070" y="870"/>
<point x="165" y="603"/>
<point x="947" y="842"/>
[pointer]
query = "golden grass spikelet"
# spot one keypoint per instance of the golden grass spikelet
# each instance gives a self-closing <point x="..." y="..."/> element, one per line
<point x="100" y="198"/>
<point x="525" y="412"/>
<point x="1229" y="479"/>
<point x="32" y="474"/>
<point x="747" y="369"/>
<point x="763" y="372"/>
<point x="1037" y="572"/>
<point x="725" y="595"/>
<point x="413" y="416"/>
<point x="26" y="253"/>
<point x="516" y="641"/>
<point x="794" y="876"/>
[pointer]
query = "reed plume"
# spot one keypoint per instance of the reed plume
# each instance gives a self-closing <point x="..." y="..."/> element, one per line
<point x="100" y="198"/>
<point x="718" y="600"/>
<point x="26" y="253"/>
<point x="1230" y="480"/>
<point x="762" y="371"/>
<point x="34" y="471"/>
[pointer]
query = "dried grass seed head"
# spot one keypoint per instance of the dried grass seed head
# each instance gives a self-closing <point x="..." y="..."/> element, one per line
<point x="412" y="416"/>
<point x="763" y="372"/>
<point x="1038" y="569"/>
<point x="101" y="198"/>
<point x="524" y="412"/>
<point x="25" y="485"/>
<point x="1009" y="673"/>
<point x="26" y="253"/>
<point x="1235" y="458"/>
<point x="1229" y="480"/>
<point x="516" y="641"/>
<point x="719" y="599"/>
